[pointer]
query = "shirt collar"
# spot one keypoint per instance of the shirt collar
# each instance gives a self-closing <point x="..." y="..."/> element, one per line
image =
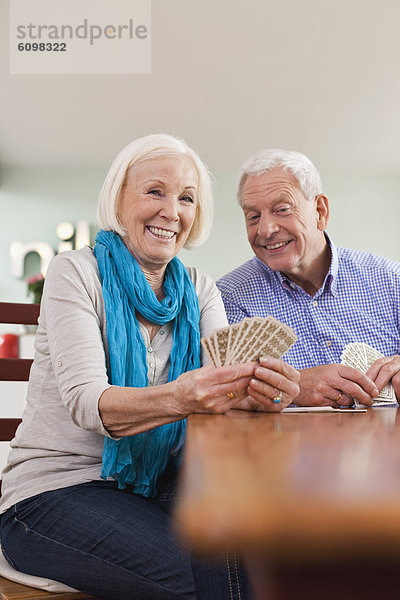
<point x="329" y="284"/>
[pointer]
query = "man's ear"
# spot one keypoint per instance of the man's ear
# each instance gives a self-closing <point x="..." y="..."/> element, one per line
<point x="322" y="207"/>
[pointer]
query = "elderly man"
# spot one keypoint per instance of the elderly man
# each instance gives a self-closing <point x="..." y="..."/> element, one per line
<point x="330" y="296"/>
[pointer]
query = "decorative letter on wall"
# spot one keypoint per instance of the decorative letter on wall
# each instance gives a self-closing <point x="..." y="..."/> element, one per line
<point x="18" y="251"/>
<point x="82" y="234"/>
<point x="70" y="236"/>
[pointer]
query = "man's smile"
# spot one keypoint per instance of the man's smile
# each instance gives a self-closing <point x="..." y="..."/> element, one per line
<point x="276" y="245"/>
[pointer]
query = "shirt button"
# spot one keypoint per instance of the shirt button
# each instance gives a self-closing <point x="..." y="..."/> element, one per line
<point x="149" y="349"/>
<point x="162" y="332"/>
<point x="328" y="343"/>
<point x="59" y="363"/>
<point x="315" y="303"/>
<point x="151" y="365"/>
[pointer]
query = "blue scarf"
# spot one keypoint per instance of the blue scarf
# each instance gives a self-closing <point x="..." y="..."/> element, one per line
<point x="140" y="459"/>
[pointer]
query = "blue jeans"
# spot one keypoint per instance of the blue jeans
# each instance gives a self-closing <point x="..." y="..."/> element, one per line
<point x="113" y="544"/>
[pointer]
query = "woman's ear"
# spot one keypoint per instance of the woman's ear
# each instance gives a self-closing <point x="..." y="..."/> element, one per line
<point x="322" y="208"/>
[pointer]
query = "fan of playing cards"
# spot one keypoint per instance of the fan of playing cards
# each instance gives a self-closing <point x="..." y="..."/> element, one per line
<point x="361" y="356"/>
<point x="248" y="340"/>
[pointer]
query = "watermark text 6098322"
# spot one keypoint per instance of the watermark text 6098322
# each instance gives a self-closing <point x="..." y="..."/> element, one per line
<point x="48" y="47"/>
<point x="80" y="36"/>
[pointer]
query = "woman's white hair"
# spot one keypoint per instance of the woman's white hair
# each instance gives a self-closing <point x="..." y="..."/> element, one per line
<point x="145" y="148"/>
<point x="297" y="164"/>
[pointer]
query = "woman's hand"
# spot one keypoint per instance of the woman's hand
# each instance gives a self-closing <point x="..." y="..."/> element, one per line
<point x="249" y="386"/>
<point x="273" y="379"/>
<point x="213" y="389"/>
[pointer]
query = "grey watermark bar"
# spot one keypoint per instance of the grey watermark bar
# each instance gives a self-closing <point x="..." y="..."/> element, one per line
<point x="80" y="37"/>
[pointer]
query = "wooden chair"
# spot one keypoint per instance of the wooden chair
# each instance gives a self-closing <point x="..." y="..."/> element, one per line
<point x="17" y="369"/>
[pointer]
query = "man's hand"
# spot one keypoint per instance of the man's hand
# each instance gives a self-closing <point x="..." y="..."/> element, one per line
<point x="336" y="385"/>
<point x="385" y="369"/>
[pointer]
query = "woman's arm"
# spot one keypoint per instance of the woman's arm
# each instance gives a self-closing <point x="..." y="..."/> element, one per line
<point x="127" y="411"/>
<point x="70" y="352"/>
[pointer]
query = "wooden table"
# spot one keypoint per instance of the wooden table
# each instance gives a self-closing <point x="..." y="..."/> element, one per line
<point x="312" y="501"/>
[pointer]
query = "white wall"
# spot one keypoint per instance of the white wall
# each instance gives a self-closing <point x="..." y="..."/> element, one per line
<point x="365" y="212"/>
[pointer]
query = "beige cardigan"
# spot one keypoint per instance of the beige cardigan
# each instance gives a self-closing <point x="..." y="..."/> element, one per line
<point x="60" y="440"/>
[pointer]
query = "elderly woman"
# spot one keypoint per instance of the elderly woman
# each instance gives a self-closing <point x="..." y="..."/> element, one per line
<point x="117" y="369"/>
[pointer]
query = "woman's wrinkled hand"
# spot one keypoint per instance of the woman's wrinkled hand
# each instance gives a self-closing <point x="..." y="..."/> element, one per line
<point x="267" y="385"/>
<point x="213" y="389"/>
<point x="275" y="385"/>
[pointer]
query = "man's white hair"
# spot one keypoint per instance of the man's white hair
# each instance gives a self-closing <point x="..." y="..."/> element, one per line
<point x="145" y="148"/>
<point x="297" y="164"/>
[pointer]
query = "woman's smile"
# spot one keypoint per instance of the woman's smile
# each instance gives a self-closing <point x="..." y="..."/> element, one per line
<point x="160" y="233"/>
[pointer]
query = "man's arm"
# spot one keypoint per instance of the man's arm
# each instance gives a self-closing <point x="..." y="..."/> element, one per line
<point x="335" y="385"/>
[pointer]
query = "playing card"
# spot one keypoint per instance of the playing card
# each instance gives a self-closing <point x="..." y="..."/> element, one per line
<point x="238" y="330"/>
<point x="387" y="393"/>
<point x="350" y="359"/>
<point x="248" y="340"/>
<point x="361" y="356"/>
<point x="209" y="349"/>
<point x="220" y="338"/>
<point x="233" y="331"/>
<point x="264" y="334"/>
<point x="280" y="343"/>
<point x="372" y="355"/>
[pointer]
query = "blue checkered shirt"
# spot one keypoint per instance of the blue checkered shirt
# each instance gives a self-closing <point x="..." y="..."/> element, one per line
<point x="359" y="301"/>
